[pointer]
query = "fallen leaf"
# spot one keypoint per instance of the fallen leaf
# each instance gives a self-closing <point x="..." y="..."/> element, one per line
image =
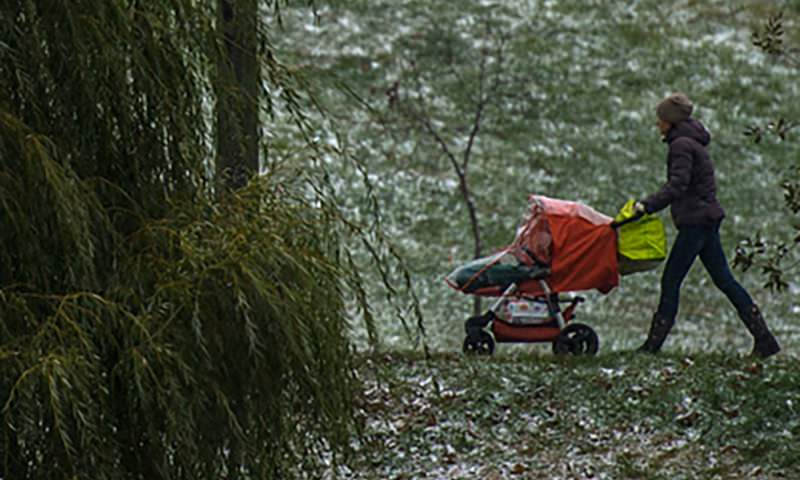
<point x="753" y="369"/>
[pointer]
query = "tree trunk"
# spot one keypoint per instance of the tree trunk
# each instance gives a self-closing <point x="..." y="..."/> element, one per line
<point x="237" y="131"/>
<point x="476" y="231"/>
<point x="237" y="93"/>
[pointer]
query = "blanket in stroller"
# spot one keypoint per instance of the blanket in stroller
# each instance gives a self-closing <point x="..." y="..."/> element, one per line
<point x="568" y="243"/>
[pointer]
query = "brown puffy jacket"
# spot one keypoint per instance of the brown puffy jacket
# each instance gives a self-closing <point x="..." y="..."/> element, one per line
<point x="691" y="190"/>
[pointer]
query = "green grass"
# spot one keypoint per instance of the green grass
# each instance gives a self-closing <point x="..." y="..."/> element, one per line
<point x="620" y="415"/>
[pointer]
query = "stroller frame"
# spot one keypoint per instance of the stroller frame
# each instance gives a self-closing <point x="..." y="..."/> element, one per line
<point x="565" y="336"/>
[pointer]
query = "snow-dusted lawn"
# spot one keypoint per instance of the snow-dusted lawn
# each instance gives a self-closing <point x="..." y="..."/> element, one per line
<point x="577" y="124"/>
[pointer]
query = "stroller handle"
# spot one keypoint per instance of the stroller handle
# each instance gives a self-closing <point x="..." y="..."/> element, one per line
<point x="615" y="225"/>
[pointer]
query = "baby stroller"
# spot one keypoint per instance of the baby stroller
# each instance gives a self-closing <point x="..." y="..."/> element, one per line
<point x="560" y="247"/>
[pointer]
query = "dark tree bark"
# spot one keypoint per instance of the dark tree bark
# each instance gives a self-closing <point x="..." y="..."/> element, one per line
<point x="237" y="93"/>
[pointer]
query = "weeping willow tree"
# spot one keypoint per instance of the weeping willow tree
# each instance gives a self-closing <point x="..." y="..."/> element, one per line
<point x="150" y="327"/>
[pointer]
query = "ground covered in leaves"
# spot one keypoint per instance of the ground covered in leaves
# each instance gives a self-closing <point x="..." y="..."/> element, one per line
<point x="618" y="415"/>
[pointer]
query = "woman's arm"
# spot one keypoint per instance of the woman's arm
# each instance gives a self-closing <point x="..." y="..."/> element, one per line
<point x="679" y="176"/>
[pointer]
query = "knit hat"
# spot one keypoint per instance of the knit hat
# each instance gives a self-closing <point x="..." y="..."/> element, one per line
<point x="675" y="108"/>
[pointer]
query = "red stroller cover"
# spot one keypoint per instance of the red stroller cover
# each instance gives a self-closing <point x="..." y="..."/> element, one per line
<point x="575" y="241"/>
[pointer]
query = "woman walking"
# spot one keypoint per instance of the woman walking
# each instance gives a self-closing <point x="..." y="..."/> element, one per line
<point x="690" y="192"/>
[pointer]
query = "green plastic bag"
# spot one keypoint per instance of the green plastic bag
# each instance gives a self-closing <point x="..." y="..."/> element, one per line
<point x="642" y="244"/>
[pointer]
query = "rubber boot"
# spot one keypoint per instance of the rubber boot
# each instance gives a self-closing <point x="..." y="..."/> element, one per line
<point x="659" y="329"/>
<point x="764" y="343"/>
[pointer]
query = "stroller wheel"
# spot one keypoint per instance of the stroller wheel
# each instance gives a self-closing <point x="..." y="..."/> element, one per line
<point x="576" y="339"/>
<point x="478" y="343"/>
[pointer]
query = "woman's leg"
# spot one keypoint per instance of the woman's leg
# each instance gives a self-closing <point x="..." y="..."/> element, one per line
<point x="687" y="246"/>
<point x="713" y="257"/>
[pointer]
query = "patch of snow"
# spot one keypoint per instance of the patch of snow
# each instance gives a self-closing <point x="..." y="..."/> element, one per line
<point x="723" y="36"/>
<point x="634" y="115"/>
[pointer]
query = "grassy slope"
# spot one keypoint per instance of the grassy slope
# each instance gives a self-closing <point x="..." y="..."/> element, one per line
<point x="615" y="416"/>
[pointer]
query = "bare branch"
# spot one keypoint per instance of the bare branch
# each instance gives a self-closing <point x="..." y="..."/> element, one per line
<point x="483" y="96"/>
<point x="481" y="105"/>
<point x="424" y="120"/>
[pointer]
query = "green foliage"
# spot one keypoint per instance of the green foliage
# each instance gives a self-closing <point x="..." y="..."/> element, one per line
<point x="223" y="333"/>
<point x="102" y="121"/>
<point x="149" y="327"/>
<point x="43" y="199"/>
<point x="775" y="257"/>
<point x="770" y="37"/>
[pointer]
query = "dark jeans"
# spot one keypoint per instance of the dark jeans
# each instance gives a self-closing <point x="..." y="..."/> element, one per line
<point x="691" y="242"/>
